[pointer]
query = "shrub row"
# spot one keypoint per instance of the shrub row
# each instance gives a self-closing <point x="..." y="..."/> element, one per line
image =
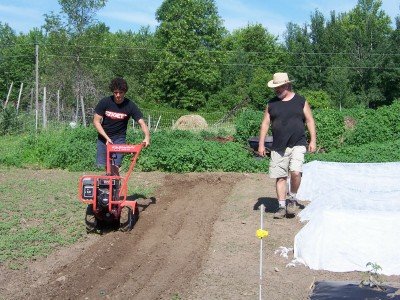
<point x="357" y="135"/>
<point x="171" y="151"/>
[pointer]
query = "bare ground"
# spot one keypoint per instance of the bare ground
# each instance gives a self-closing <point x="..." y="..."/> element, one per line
<point x="195" y="239"/>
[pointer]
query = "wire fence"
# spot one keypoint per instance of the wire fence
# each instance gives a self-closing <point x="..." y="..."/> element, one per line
<point x="30" y="119"/>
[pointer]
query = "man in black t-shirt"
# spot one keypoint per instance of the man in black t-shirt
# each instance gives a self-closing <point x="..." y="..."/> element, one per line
<point x="287" y="113"/>
<point x="111" y="118"/>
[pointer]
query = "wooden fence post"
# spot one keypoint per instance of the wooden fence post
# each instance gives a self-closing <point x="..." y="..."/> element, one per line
<point x="44" y="108"/>
<point x="149" y="122"/>
<point x="83" y="112"/>
<point x="77" y="110"/>
<point x="8" y="95"/>
<point x="157" y="123"/>
<point x="31" y="105"/>
<point x="36" y="86"/>
<point x="19" y="95"/>
<point x="58" y="105"/>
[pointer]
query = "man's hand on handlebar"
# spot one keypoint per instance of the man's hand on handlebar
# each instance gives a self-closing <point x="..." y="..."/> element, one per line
<point x="261" y="151"/>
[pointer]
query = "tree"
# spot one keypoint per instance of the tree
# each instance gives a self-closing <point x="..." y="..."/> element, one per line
<point x="189" y="36"/>
<point x="320" y="58"/>
<point x="298" y="46"/>
<point x="70" y="32"/>
<point x="390" y="77"/>
<point x="80" y="13"/>
<point x="7" y="38"/>
<point x="16" y="58"/>
<point x="368" y="29"/>
<point x="252" y="56"/>
<point x="138" y="56"/>
<point x="339" y="88"/>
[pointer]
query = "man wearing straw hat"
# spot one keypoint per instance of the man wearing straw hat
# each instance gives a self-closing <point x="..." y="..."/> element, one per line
<point x="287" y="113"/>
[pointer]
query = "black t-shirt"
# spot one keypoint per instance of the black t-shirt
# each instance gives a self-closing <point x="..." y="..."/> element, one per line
<point x="116" y="116"/>
<point x="287" y="122"/>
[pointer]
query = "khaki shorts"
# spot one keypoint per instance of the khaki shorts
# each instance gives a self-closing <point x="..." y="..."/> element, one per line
<point x="291" y="160"/>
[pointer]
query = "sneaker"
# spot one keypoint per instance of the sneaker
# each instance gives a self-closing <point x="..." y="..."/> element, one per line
<point x="290" y="207"/>
<point x="296" y="202"/>
<point x="280" y="213"/>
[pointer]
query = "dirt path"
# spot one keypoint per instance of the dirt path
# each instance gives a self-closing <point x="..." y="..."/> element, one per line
<point x="194" y="240"/>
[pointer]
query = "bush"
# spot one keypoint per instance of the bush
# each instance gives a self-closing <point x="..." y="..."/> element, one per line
<point x="184" y="151"/>
<point x="248" y="125"/>
<point x="330" y="128"/>
<point x="8" y="120"/>
<point x="316" y="98"/>
<point x="379" y="125"/>
<point x="370" y="152"/>
<point x="170" y="151"/>
<point x="371" y="136"/>
<point x="67" y="148"/>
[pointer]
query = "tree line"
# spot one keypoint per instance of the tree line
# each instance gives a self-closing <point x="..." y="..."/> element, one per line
<point x="192" y="62"/>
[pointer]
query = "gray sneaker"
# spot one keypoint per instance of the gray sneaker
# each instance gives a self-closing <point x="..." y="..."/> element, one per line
<point x="290" y="207"/>
<point x="280" y="213"/>
<point x="297" y="204"/>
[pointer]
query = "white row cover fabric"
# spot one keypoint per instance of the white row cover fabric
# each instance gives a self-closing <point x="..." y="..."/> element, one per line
<point x="353" y="217"/>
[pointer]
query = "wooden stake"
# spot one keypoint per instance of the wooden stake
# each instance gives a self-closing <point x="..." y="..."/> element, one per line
<point x="58" y="105"/>
<point x="8" y="95"/>
<point x="19" y="95"/>
<point x="83" y="112"/>
<point x="44" y="108"/>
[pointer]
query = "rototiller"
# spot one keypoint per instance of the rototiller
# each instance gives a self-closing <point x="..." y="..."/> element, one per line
<point x="106" y="195"/>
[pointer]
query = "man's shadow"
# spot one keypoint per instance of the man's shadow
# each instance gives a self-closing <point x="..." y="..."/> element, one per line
<point x="271" y="204"/>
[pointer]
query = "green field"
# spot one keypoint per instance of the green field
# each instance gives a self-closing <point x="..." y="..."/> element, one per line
<point x="40" y="211"/>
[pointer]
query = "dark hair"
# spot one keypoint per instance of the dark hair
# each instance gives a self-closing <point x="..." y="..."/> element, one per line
<point x="118" y="83"/>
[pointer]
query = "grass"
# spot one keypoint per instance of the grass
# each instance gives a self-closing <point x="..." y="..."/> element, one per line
<point x="40" y="211"/>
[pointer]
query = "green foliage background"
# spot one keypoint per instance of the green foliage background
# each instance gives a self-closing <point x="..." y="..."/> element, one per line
<point x="170" y="151"/>
<point x="192" y="62"/>
<point x="350" y="135"/>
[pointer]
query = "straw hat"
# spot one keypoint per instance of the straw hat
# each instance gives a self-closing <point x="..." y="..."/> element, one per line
<point x="278" y="80"/>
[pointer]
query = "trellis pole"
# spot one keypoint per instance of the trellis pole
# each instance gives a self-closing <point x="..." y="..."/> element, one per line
<point x="36" y="86"/>
<point x="157" y="123"/>
<point x="8" y="94"/>
<point x="19" y="96"/>
<point x="44" y="108"/>
<point x="58" y="105"/>
<point x="261" y="233"/>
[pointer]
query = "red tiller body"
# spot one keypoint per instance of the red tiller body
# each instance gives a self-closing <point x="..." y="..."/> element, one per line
<point x="115" y="185"/>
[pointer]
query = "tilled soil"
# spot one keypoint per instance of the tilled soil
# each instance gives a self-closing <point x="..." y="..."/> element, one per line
<point x="195" y="239"/>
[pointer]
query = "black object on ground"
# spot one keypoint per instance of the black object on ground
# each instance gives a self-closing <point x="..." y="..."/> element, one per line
<point x="324" y="290"/>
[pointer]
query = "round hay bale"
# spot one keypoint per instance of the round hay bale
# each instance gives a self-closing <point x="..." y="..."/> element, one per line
<point x="190" y="122"/>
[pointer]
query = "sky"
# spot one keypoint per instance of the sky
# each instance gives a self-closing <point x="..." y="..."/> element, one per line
<point x="23" y="15"/>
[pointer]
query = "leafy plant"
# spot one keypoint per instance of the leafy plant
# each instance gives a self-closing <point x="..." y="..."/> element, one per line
<point x="378" y="125"/>
<point x="330" y="128"/>
<point x="372" y="276"/>
<point x="248" y="125"/>
<point x="8" y="120"/>
<point x="316" y="98"/>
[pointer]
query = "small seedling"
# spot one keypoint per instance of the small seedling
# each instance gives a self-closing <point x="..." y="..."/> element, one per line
<point x="372" y="277"/>
<point x="176" y="297"/>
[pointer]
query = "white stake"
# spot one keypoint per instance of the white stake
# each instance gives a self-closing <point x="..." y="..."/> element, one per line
<point x="261" y="248"/>
<point x="157" y="124"/>
<point x="261" y="233"/>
